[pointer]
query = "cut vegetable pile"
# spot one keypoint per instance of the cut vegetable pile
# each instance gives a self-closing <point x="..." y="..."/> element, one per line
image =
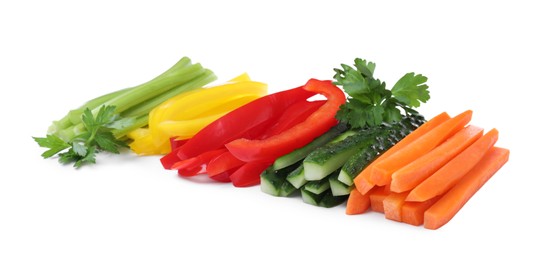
<point x="349" y="140"/>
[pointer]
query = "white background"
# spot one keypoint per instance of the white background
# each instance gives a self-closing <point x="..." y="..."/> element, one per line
<point x="54" y="55"/>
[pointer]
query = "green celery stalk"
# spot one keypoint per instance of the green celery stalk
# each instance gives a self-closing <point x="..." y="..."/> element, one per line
<point x="145" y="107"/>
<point x="140" y="111"/>
<point x="140" y="121"/>
<point x="74" y="116"/>
<point x="153" y="88"/>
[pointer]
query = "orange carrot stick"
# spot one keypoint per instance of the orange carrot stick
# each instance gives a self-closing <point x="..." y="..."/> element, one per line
<point x="382" y="171"/>
<point x="448" y="175"/>
<point x="413" y="212"/>
<point x="412" y="174"/>
<point x="357" y="203"/>
<point x="393" y="204"/>
<point x="450" y="203"/>
<point x="363" y="182"/>
<point x="377" y="196"/>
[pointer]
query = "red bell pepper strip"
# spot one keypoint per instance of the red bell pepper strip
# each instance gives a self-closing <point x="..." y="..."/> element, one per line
<point x="175" y="143"/>
<point x="187" y="172"/>
<point x="198" y="161"/>
<point x="248" y="174"/>
<point x="267" y="150"/>
<point x="170" y="159"/>
<point x="294" y="115"/>
<point x="222" y="163"/>
<point x="238" y="122"/>
<point x="224" y="176"/>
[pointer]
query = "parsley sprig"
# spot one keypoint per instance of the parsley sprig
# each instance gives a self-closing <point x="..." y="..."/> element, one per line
<point x="370" y="103"/>
<point x="97" y="137"/>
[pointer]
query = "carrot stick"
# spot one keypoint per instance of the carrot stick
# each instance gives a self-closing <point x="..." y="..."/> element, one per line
<point x="448" y="175"/>
<point x="413" y="211"/>
<point x="357" y="203"/>
<point x="450" y="203"/>
<point x="412" y="174"/>
<point x="393" y="205"/>
<point x="363" y="181"/>
<point x="377" y="196"/>
<point x="382" y="171"/>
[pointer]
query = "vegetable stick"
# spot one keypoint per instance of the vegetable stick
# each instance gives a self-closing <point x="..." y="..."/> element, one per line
<point x="222" y="163"/>
<point x="377" y="196"/>
<point x="198" y="161"/>
<point x="447" y="176"/>
<point x="357" y="202"/>
<point x="224" y="176"/>
<point x="363" y="181"/>
<point x="450" y="203"/>
<point x="413" y="211"/>
<point x="382" y="171"/>
<point x="410" y="175"/>
<point x="248" y="174"/>
<point x="393" y="205"/>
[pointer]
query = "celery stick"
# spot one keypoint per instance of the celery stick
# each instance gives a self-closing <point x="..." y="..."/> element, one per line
<point x="142" y="109"/>
<point x="74" y="116"/>
<point x="183" y="62"/>
<point x="153" y="88"/>
<point x="147" y="106"/>
<point x="139" y="122"/>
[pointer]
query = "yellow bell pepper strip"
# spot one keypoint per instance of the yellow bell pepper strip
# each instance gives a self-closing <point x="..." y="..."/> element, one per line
<point x="185" y="129"/>
<point x="194" y="104"/>
<point x="184" y="115"/>
<point x="143" y="145"/>
<point x="168" y="110"/>
<point x="138" y="133"/>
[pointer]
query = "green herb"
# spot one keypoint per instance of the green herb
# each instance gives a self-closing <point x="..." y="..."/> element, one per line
<point x="96" y="137"/>
<point x="370" y="103"/>
<point x="102" y="123"/>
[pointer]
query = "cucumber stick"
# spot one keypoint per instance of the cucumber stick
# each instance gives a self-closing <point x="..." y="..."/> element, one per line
<point x="310" y="198"/>
<point x="275" y="182"/>
<point x="296" y="177"/>
<point x="299" y="154"/>
<point x="326" y="159"/>
<point x="354" y="165"/>
<point x="382" y="141"/>
<point x="325" y="199"/>
<point x="329" y="200"/>
<point x="317" y="187"/>
<point x="337" y="187"/>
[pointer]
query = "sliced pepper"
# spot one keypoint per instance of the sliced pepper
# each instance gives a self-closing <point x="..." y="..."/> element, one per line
<point x="320" y="121"/>
<point x="198" y="161"/>
<point x="248" y="119"/>
<point x="185" y="129"/>
<point x="184" y="115"/>
<point x="223" y="163"/>
<point x="248" y="174"/>
<point x="144" y="145"/>
<point x="294" y="114"/>
<point x="219" y="99"/>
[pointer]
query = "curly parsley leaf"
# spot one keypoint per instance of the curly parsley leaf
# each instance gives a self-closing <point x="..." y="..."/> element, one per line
<point x="411" y="89"/>
<point x="106" y="141"/>
<point x="370" y="103"/>
<point x="54" y="143"/>
<point x="83" y="148"/>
